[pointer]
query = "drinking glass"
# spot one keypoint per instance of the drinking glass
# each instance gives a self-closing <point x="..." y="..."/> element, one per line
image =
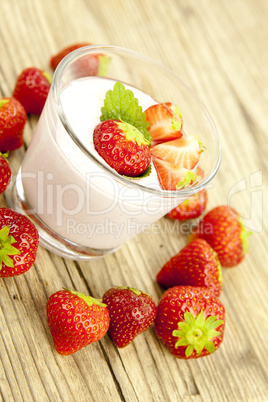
<point x="81" y="207"/>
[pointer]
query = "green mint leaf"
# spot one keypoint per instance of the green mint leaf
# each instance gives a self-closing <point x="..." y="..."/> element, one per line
<point x="120" y="104"/>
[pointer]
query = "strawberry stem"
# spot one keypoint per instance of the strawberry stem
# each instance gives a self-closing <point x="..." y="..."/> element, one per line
<point x="88" y="299"/>
<point x="196" y="333"/>
<point x="6" y="248"/>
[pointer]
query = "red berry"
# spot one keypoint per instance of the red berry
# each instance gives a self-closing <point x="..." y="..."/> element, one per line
<point x="195" y="265"/>
<point x="5" y="173"/>
<point x="223" y="230"/>
<point x="19" y="241"/>
<point x="56" y="59"/>
<point x="123" y="147"/>
<point x="131" y="311"/>
<point x="32" y="88"/>
<point x="194" y="206"/>
<point x="190" y="321"/>
<point x="165" y="122"/>
<point x="75" y="320"/>
<point x="88" y="65"/>
<point x="12" y="121"/>
<point x="191" y="208"/>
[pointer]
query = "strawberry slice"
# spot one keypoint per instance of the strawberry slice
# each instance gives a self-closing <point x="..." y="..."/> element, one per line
<point x="191" y="208"/>
<point x="194" y="206"/>
<point x="165" y="122"/>
<point x="172" y="177"/>
<point x="183" y="152"/>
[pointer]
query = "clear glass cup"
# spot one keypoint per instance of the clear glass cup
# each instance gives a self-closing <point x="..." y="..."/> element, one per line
<point x="81" y="207"/>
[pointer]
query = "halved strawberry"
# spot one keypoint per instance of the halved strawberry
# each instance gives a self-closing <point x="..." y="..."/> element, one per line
<point x="165" y="121"/>
<point x="183" y="152"/>
<point x="172" y="177"/>
<point x="191" y="208"/>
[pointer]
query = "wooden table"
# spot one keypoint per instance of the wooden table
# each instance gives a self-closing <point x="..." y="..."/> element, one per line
<point x="220" y="48"/>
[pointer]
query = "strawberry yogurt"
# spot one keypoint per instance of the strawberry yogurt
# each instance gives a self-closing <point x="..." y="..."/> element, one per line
<point x="76" y="197"/>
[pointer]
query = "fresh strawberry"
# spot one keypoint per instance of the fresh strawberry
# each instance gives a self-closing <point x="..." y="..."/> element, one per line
<point x="90" y="64"/>
<point x="5" y="172"/>
<point x="131" y="311"/>
<point x="172" y="177"/>
<point x="32" y="88"/>
<point x="123" y="147"/>
<point x="75" y="320"/>
<point x="187" y="319"/>
<point x="56" y="59"/>
<point x="223" y="230"/>
<point x="194" y="206"/>
<point x="184" y="152"/>
<point x="19" y="241"/>
<point x="12" y="121"/>
<point x="165" y="122"/>
<point x="191" y="208"/>
<point x="196" y="264"/>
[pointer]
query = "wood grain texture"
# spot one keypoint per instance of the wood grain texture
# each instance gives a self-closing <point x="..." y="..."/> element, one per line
<point x="220" y="49"/>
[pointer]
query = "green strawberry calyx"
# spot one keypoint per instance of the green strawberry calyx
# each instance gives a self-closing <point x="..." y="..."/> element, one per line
<point x="120" y="104"/>
<point x="244" y="236"/>
<point x="136" y="291"/>
<point x="132" y="133"/>
<point x="218" y="266"/>
<point x="6" y="248"/>
<point x="88" y="299"/>
<point x="176" y="124"/>
<point x="188" y="179"/>
<point x="47" y="76"/>
<point x="201" y="146"/>
<point x="5" y="155"/>
<point x="146" y="173"/>
<point x="104" y="62"/>
<point x="196" y="333"/>
<point x="4" y="101"/>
